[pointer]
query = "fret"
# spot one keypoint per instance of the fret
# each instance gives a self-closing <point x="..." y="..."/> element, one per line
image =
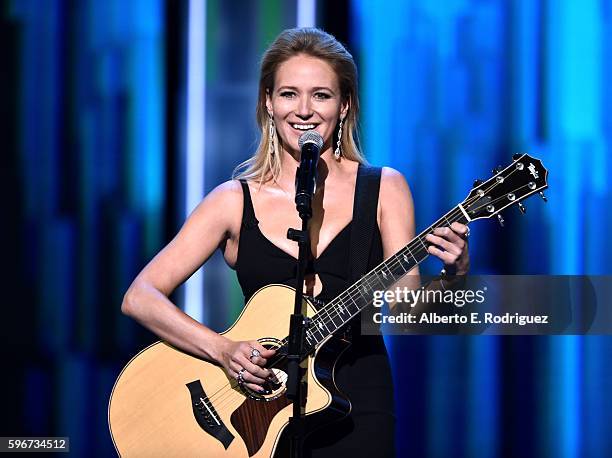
<point x="390" y="272"/>
<point x="377" y="278"/>
<point x="395" y="262"/>
<point x="317" y="328"/>
<point x="353" y="301"/>
<point x="357" y="307"/>
<point x="401" y="264"/>
<point x="331" y="316"/>
<point x="323" y="325"/>
<point x="363" y="291"/>
<point x="407" y="259"/>
<point x="308" y="337"/>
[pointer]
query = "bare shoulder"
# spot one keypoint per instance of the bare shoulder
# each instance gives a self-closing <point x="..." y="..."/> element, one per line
<point x="394" y="189"/>
<point x="225" y="202"/>
<point x="229" y="191"/>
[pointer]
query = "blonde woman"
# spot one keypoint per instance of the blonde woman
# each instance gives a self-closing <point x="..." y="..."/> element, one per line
<point x="308" y="82"/>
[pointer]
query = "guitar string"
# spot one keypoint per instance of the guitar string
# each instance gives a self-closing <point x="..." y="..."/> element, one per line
<point x="223" y="396"/>
<point x="430" y="228"/>
<point x="329" y="305"/>
<point x="396" y="261"/>
<point x="227" y="394"/>
<point x="279" y="358"/>
<point x="330" y="310"/>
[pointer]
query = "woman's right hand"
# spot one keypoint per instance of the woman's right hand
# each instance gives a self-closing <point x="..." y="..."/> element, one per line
<point x="236" y="356"/>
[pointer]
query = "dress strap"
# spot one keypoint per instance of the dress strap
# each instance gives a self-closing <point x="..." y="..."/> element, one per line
<point x="364" y="219"/>
<point x="248" y="213"/>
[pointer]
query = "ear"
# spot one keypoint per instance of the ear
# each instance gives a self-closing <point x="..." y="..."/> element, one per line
<point x="269" y="102"/>
<point x="344" y="108"/>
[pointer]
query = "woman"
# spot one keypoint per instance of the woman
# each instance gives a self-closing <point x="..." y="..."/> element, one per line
<point x="308" y="81"/>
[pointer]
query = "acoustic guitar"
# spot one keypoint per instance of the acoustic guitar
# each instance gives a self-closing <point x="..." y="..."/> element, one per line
<point x="168" y="403"/>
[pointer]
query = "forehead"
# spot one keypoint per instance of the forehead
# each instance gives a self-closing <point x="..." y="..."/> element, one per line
<point x="306" y="71"/>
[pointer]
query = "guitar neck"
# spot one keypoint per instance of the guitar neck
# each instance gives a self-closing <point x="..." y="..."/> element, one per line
<point x="344" y="307"/>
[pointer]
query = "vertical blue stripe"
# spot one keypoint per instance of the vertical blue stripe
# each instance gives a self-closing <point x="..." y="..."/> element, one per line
<point x="196" y="127"/>
<point x="483" y="397"/>
<point x="306" y="13"/>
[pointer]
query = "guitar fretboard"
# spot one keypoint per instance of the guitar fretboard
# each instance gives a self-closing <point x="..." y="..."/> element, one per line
<point x="344" y="307"/>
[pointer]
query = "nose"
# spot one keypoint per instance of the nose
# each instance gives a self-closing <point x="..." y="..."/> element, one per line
<point x="304" y="108"/>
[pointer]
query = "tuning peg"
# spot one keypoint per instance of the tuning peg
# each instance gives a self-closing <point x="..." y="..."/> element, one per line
<point x="522" y="208"/>
<point x="477" y="183"/>
<point x="516" y="156"/>
<point x="497" y="169"/>
<point x="544" y="198"/>
<point x="500" y="218"/>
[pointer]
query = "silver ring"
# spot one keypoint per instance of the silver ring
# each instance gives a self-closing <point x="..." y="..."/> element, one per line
<point x="467" y="233"/>
<point x="240" y="377"/>
<point x="254" y="353"/>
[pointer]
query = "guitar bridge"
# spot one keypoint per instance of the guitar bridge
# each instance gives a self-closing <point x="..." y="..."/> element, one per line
<point x="206" y="415"/>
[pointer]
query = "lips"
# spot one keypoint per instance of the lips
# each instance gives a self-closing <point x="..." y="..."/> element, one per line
<point x="303" y="127"/>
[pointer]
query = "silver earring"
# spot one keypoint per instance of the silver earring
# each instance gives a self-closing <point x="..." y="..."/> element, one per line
<point x="271" y="135"/>
<point x="338" y="151"/>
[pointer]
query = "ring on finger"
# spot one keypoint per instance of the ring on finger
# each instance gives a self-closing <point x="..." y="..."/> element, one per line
<point x="467" y="233"/>
<point x="254" y="354"/>
<point x="240" y="377"/>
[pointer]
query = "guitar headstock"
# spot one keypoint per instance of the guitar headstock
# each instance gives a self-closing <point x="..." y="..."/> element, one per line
<point x="508" y="186"/>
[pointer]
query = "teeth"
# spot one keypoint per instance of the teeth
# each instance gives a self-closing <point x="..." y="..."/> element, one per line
<point x="303" y="126"/>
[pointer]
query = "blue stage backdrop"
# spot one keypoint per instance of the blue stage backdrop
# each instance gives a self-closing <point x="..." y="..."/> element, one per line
<point x="96" y="180"/>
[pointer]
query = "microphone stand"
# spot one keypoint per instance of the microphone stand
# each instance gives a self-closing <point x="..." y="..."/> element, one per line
<point x="296" y="390"/>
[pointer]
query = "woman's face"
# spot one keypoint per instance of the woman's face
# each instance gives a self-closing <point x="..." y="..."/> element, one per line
<point x="306" y="96"/>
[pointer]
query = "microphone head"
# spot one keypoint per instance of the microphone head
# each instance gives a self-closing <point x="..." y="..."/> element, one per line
<point x="311" y="136"/>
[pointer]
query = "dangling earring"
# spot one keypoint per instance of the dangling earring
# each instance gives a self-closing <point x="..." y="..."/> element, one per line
<point x="338" y="151"/>
<point x="271" y="135"/>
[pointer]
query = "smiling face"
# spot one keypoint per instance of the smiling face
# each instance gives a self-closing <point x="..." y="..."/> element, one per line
<point x="306" y="95"/>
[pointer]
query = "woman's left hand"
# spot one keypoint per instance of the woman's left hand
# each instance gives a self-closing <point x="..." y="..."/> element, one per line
<point x="450" y="245"/>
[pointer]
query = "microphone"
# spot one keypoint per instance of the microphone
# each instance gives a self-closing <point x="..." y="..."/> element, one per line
<point x="310" y="144"/>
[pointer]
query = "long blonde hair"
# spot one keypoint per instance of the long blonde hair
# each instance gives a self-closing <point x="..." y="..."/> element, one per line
<point x="264" y="166"/>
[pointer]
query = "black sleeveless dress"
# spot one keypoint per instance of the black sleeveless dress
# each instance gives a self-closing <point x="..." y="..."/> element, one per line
<point x="363" y="372"/>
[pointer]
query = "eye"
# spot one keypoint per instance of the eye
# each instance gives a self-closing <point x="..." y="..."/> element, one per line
<point x="287" y="94"/>
<point x="322" y="96"/>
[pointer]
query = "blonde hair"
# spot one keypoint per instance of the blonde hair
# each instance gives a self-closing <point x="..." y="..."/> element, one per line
<point x="263" y="166"/>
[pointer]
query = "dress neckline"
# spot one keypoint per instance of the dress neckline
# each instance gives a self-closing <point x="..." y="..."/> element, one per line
<point x="325" y="250"/>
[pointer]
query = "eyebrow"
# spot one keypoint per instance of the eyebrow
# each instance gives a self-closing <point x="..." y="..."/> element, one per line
<point x="318" y="88"/>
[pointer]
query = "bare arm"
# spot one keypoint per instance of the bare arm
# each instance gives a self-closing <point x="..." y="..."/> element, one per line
<point x="216" y="219"/>
<point x="397" y="227"/>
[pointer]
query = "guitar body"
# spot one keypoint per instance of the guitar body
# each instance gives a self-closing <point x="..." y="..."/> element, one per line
<point x="169" y="403"/>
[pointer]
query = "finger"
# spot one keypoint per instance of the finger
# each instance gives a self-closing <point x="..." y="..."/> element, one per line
<point x="254" y="387"/>
<point x="235" y="368"/>
<point x="265" y="352"/>
<point x="445" y="256"/>
<point x="246" y="374"/>
<point x="254" y="369"/>
<point x="460" y="229"/>
<point x="447" y="245"/>
<point x="248" y="377"/>
<point x="258" y="360"/>
<point x="447" y="233"/>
